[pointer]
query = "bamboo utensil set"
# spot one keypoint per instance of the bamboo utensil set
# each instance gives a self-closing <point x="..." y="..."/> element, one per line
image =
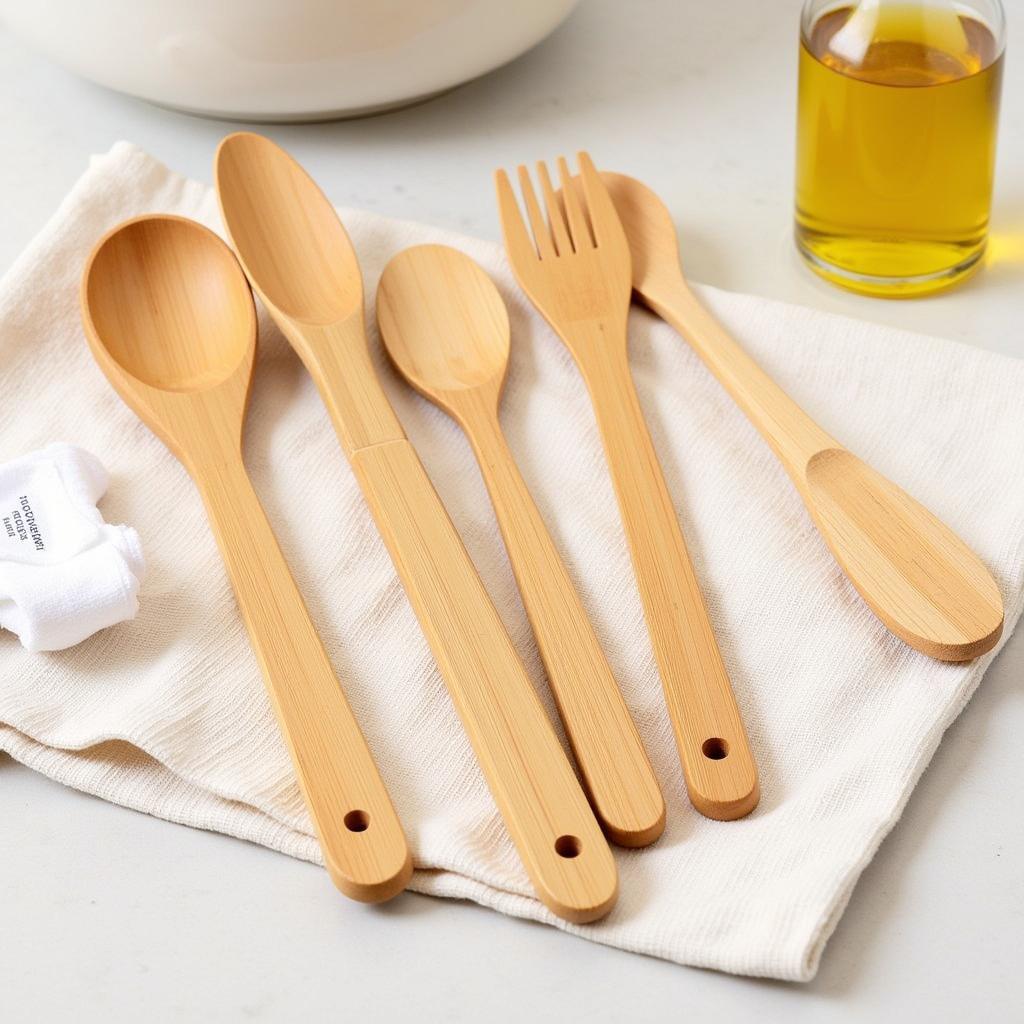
<point x="169" y="317"/>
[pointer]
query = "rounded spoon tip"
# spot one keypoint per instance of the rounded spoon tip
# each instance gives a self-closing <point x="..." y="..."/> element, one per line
<point x="443" y="323"/>
<point x="165" y="302"/>
<point x="287" y="234"/>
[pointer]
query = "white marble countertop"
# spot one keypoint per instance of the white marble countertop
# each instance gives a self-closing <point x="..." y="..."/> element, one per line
<point x="111" y="915"/>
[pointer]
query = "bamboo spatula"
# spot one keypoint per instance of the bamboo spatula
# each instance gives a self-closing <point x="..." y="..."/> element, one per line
<point x="300" y="261"/>
<point x="580" y="281"/>
<point x="917" y="576"/>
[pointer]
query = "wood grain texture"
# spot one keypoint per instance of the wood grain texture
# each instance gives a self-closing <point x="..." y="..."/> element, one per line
<point x="537" y="793"/>
<point x="286" y="234"/>
<point x="171" y="323"/>
<point x="446" y="329"/>
<point x="578" y="276"/>
<point x="917" y="576"/>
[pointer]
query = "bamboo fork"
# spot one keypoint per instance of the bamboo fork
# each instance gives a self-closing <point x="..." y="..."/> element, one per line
<point x="575" y="267"/>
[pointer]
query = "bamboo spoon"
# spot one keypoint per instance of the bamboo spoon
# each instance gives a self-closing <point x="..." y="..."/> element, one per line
<point x="170" y="321"/>
<point x="917" y="576"/>
<point x="299" y="259"/>
<point x="574" y="266"/>
<point x="446" y="329"/>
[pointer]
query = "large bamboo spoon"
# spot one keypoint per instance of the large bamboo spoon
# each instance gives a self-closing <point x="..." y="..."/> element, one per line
<point x="299" y="259"/>
<point x="170" y="321"/>
<point x="446" y="329"/>
<point x="917" y="576"/>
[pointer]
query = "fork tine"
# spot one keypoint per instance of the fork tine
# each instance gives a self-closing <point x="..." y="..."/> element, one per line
<point x="556" y="217"/>
<point x="541" y="234"/>
<point x="574" y="209"/>
<point x="604" y="218"/>
<point x="517" y="239"/>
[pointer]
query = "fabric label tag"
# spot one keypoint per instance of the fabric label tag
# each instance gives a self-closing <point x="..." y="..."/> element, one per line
<point x="40" y="522"/>
<point x="21" y="524"/>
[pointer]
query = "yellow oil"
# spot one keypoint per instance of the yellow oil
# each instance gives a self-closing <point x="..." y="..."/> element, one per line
<point x="895" y="153"/>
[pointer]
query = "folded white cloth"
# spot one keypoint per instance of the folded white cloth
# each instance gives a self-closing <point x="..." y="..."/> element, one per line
<point x="168" y="714"/>
<point x="64" y="573"/>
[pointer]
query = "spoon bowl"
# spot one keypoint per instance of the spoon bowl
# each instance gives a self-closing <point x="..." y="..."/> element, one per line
<point x="207" y="325"/>
<point x="650" y="232"/>
<point x="459" y="339"/>
<point x="278" y="239"/>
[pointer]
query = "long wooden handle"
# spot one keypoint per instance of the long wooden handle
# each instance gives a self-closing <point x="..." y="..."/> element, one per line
<point x="608" y="750"/>
<point x="545" y="810"/>
<point x="363" y="844"/>
<point x="918" y="576"/>
<point x="792" y="434"/>
<point x="720" y="772"/>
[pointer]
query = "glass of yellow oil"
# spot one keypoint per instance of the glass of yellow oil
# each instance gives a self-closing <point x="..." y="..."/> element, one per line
<point x="896" y="134"/>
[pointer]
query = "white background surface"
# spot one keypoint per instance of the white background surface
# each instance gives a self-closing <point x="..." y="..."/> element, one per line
<point x="106" y="914"/>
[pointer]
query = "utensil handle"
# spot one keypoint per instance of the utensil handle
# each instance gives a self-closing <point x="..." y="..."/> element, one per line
<point x="363" y="845"/>
<point x="791" y="433"/>
<point x="608" y="750"/>
<point x="545" y="810"/>
<point x="720" y="772"/>
<point x="917" y="576"/>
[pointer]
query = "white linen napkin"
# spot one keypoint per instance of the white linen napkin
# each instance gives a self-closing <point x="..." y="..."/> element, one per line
<point x="168" y="714"/>
<point x="64" y="572"/>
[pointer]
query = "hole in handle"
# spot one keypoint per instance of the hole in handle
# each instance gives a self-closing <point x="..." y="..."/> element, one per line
<point x="357" y="821"/>
<point x="568" y="847"/>
<point x="715" y="748"/>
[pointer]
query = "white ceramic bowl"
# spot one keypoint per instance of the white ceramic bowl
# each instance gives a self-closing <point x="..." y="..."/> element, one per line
<point x="283" y="60"/>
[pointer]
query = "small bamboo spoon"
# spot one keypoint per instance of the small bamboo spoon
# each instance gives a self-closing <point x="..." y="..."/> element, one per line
<point x="297" y="255"/>
<point x="915" y="574"/>
<point x="446" y="329"/>
<point x="171" y="322"/>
